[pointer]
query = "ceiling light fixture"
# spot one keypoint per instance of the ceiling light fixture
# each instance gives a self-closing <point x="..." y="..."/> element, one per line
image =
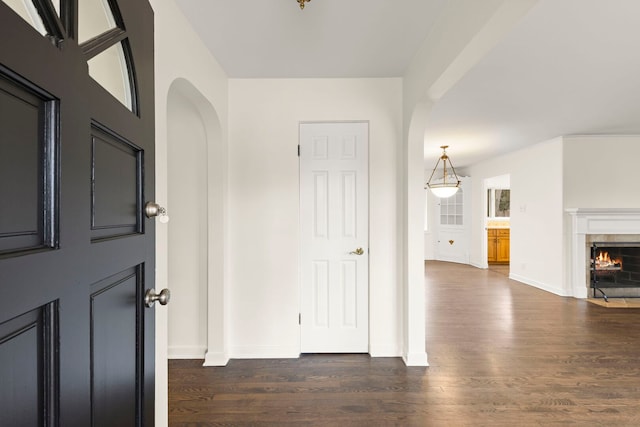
<point x="442" y="188"/>
<point x="302" y="2"/>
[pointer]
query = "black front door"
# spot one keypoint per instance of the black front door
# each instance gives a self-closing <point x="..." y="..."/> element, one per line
<point x="76" y="250"/>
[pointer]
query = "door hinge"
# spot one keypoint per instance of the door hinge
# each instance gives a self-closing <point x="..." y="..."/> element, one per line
<point x="299" y="318"/>
<point x="298" y="150"/>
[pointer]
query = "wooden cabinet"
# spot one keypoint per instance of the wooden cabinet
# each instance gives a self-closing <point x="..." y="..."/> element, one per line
<point x="503" y="249"/>
<point x="492" y="245"/>
<point x="498" y="245"/>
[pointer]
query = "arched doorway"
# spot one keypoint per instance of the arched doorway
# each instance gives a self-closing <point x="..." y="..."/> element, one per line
<point x="196" y="182"/>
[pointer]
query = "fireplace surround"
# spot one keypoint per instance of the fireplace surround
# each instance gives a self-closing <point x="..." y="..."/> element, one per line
<point x="603" y="226"/>
<point x="614" y="265"/>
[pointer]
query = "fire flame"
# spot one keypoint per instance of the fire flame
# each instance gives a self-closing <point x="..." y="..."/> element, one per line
<point x="603" y="260"/>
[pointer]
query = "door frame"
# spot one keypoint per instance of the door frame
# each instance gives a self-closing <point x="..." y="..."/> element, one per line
<point x="488" y="183"/>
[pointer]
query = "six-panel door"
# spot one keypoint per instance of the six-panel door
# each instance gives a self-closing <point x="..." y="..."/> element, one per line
<point x="334" y="230"/>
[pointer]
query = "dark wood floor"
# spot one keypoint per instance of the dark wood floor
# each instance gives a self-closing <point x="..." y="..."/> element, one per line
<point x="501" y="354"/>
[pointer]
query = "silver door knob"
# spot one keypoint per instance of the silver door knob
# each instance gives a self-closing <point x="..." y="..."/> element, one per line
<point x="150" y="297"/>
<point x="358" y="251"/>
<point x="152" y="209"/>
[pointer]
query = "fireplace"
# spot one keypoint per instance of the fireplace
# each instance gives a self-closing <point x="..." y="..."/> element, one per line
<point x="607" y="227"/>
<point x="614" y="265"/>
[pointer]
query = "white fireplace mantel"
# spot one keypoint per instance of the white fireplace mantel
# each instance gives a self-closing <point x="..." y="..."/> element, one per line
<point x="585" y="221"/>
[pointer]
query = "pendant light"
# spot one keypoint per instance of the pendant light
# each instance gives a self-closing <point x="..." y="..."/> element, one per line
<point x="302" y="2"/>
<point x="444" y="188"/>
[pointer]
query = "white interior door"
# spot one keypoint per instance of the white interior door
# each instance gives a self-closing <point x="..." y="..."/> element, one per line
<point x="451" y="229"/>
<point x="334" y="218"/>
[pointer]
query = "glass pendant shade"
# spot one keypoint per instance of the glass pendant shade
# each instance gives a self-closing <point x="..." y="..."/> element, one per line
<point x="444" y="192"/>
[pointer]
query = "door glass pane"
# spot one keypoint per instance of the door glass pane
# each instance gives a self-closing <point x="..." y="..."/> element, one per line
<point x="451" y="209"/>
<point x="109" y="68"/>
<point x="94" y="18"/>
<point x="28" y="12"/>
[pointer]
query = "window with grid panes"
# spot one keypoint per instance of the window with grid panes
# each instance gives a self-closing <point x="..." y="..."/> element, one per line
<point x="451" y="209"/>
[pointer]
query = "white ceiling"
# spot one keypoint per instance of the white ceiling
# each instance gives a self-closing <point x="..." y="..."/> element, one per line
<point x="569" y="67"/>
<point x="329" y="38"/>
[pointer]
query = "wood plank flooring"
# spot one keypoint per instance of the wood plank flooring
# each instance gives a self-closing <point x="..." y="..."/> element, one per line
<point x="501" y="354"/>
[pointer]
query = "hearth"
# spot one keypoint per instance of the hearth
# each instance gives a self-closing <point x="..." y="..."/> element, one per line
<point x="614" y="265"/>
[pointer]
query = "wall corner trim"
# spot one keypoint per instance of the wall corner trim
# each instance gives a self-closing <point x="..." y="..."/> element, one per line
<point x="215" y="359"/>
<point x="416" y="359"/>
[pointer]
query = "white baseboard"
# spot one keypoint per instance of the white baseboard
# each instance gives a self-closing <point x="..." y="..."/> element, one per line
<point x="483" y="266"/>
<point x="458" y="260"/>
<point x="385" y="351"/>
<point x="186" y="352"/>
<point x="539" y="285"/>
<point x="264" y="352"/>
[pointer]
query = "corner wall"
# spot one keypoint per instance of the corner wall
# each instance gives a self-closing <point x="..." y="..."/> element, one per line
<point x="264" y="205"/>
<point x="537" y="219"/>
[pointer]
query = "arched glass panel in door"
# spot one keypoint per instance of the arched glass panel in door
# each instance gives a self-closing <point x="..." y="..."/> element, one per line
<point x="95" y="17"/>
<point x="111" y="70"/>
<point x="103" y="39"/>
<point x="27" y="11"/>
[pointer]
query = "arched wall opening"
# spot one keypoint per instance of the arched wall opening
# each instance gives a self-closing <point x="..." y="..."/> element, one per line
<point x="196" y="179"/>
<point x="414" y="352"/>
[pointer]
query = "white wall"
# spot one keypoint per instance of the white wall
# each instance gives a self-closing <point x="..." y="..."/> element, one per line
<point x="188" y="230"/>
<point x="601" y="171"/>
<point x="500" y="182"/>
<point x="180" y="55"/>
<point x="537" y="251"/>
<point x="264" y="203"/>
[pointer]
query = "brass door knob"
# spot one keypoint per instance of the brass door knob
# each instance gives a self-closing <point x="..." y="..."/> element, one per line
<point x="358" y="251"/>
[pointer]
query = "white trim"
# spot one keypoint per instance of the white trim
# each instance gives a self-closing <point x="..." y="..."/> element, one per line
<point x="594" y="221"/>
<point x="215" y="359"/>
<point x="483" y="266"/>
<point x="385" y="351"/>
<point x="186" y="352"/>
<point x="265" y="352"/>
<point x="416" y="359"/>
<point x="539" y="285"/>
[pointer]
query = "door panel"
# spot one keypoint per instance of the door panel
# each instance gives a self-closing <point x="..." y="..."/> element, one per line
<point x="24" y="158"/>
<point x="320" y="296"/>
<point x="334" y="223"/>
<point x="115" y="185"/>
<point x="76" y="343"/>
<point x="28" y="369"/>
<point x="113" y="349"/>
